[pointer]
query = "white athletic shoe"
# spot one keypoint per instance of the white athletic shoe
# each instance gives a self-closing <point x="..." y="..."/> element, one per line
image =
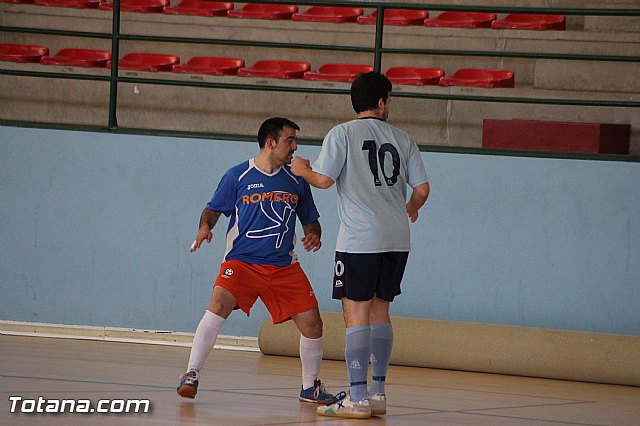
<point x="378" y="404"/>
<point x="345" y="408"/>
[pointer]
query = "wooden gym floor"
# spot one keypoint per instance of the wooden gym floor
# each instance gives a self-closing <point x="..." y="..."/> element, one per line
<point x="247" y="388"/>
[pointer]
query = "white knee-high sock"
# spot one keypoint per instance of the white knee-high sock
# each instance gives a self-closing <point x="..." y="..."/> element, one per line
<point x="204" y="339"/>
<point x="311" y="357"/>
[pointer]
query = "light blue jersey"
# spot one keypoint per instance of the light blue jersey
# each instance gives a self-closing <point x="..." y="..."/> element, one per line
<point x="372" y="163"/>
<point x="262" y="209"/>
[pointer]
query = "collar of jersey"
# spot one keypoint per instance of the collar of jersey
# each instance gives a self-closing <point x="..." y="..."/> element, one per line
<point x="252" y="163"/>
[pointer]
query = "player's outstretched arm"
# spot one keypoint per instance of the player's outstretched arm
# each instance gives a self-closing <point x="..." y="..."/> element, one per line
<point x="312" y="233"/>
<point x="208" y="220"/>
<point x="302" y="167"/>
<point x="419" y="196"/>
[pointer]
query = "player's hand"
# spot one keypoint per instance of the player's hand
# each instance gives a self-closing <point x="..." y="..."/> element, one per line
<point x="299" y="165"/>
<point x="203" y="234"/>
<point x="311" y="242"/>
<point x="412" y="213"/>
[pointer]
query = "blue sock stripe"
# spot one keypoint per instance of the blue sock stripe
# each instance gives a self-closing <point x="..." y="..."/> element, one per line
<point x="358" y="383"/>
<point x="379" y="378"/>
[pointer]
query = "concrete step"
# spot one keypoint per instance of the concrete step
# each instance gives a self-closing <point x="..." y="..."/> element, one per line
<point x="236" y="111"/>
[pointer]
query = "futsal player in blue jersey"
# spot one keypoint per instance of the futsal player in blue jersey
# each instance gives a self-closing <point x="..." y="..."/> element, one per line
<point x="262" y="199"/>
<point x="372" y="164"/>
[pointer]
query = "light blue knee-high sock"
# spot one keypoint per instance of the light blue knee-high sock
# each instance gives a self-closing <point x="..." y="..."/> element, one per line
<point x="381" y="346"/>
<point x="357" y="352"/>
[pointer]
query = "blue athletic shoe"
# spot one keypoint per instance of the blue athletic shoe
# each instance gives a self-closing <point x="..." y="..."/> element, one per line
<point x="188" y="387"/>
<point x="316" y="394"/>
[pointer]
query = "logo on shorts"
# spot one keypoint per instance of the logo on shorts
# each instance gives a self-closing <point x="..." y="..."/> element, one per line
<point x="338" y="284"/>
<point x="227" y="273"/>
<point x="311" y="293"/>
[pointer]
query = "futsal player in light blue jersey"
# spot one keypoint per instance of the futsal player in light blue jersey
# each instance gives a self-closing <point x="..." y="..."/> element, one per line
<point x="262" y="199"/>
<point x="372" y="164"/>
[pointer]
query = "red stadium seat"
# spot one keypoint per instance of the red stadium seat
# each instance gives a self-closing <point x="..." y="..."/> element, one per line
<point x="210" y="65"/>
<point x="479" y="77"/>
<point x="76" y="4"/>
<point x="22" y="52"/>
<point x="414" y="75"/>
<point x="147" y="62"/>
<point x="397" y="17"/>
<point x="264" y="11"/>
<point x="199" y="8"/>
<point x="338" y="72"/>
<point x="276" y="69"/>
<point x="78" y="58"/>
<point x="329" y="14"/>
<point x="531" y="22"/>
<point x="17" y="1"/>
<point x="462" y="20"/>
<point x="140" y="6"/>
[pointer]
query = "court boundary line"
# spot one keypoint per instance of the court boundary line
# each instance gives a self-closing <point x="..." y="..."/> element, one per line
<point x="122" y="335"/>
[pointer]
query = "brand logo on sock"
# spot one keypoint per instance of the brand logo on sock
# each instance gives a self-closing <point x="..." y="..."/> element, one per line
<point x="355" y="365"/>
<point x="373" y="359"/>
<point x="227" y="273"/>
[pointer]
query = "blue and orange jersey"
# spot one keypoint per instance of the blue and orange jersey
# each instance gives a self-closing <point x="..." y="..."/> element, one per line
<point x="262" y="210"/>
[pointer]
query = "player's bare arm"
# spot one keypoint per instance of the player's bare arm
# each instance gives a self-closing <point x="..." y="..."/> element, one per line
<point x="312" y="233"/>
<point x="208" y="220"/>
<point x="418" y="197"/>
<point x="302" y="167"/>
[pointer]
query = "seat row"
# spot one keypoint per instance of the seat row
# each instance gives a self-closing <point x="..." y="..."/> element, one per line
<point x="319" y="13"/>
<point x="154" y="62"/>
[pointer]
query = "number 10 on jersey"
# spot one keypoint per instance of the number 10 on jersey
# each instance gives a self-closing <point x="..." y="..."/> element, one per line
<point x="376" y="156"/>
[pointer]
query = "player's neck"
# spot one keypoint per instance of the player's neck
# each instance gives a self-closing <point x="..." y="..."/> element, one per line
<point x="373" y="113"/>
<point x="265" y="164"/>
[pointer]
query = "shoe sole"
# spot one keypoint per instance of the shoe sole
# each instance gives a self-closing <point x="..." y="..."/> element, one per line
<point x="378" y="412"/>
<point x="187" y="391"/>
<point x="346" y="415"/>
<point x="314" y="401"/>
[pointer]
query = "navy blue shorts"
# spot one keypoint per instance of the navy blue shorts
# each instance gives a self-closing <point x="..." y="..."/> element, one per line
<point x="361" y="276"/>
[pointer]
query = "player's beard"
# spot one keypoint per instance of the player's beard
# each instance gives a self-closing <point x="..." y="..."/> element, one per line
<point x="289" y="158"/>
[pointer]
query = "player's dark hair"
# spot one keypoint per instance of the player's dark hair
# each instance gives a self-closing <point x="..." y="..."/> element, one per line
<point x="367" y="89"/>
<point x="272" y="127"/>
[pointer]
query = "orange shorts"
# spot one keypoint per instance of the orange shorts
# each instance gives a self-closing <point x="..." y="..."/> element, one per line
<point x="284" y="290"/>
